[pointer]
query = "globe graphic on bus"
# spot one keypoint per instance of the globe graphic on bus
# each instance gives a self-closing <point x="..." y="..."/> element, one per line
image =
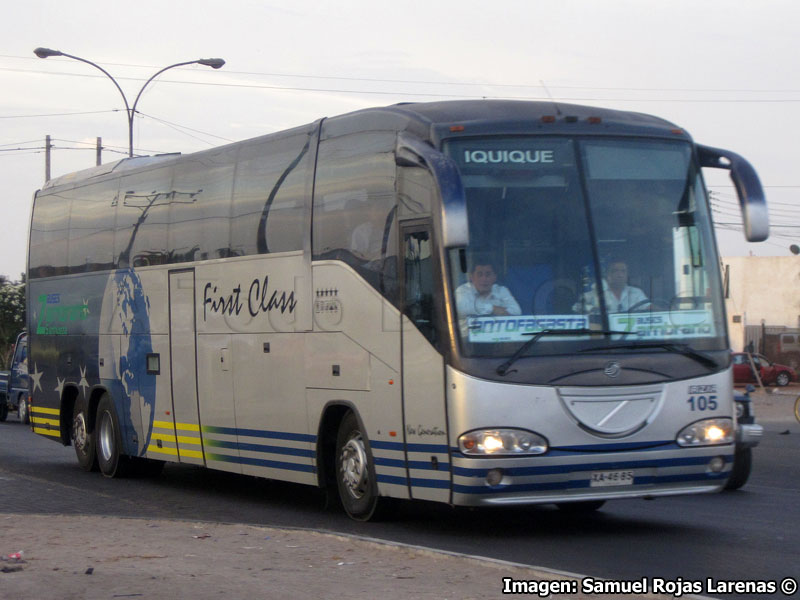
<point x="126" y="310"/>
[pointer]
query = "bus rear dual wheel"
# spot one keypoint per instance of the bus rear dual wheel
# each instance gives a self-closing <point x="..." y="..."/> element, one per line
<point x="101" y="447"/>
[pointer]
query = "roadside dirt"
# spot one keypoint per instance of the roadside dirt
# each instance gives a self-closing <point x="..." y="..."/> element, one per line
<point x="100" y="558"/>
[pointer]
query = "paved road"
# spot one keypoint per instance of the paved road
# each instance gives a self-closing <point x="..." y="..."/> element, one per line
<point x="750" y="534"/>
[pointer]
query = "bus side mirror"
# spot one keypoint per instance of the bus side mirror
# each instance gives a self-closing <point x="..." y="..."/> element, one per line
<point x="452" y="214"/>
<point x="748" y="188"/>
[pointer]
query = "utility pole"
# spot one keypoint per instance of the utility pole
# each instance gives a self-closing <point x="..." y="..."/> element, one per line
<point x="99" y="151"/>
<point x="47" y="147"/>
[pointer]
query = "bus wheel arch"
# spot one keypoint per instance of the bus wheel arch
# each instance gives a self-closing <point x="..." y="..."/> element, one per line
<point x="329" y="424"/>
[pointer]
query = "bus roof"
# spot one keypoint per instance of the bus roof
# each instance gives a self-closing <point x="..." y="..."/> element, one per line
<point x="435" y="121"/>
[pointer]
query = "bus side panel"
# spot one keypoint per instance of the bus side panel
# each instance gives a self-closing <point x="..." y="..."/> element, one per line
<point x="251" y="377"/>
<point x="425" y="418"/>
<point x="356" y="329"/>
<point x="215" y="394"/>
<point x="62" y="316"/>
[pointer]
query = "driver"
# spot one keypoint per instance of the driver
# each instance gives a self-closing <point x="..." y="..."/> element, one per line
<point x="482" y="296"/>
<point x="619" y="296"/>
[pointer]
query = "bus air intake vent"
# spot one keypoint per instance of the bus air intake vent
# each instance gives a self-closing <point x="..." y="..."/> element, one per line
<point x="612" y="412"/>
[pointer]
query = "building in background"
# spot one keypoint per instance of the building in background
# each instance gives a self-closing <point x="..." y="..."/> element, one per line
<point x="763" y="305"/>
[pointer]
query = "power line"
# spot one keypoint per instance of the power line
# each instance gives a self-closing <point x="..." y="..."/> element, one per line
<point x="70" y="114"/>
<point x="442" y="82"/>
<point x="164" y="121"/>
<point x="405" y="93"/>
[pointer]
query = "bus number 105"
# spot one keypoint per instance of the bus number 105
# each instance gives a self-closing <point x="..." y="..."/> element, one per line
<point x="702" y="402"/>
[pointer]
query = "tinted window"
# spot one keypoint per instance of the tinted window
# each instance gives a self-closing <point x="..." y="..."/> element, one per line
<point x="200" y="206"/>
<point x="91" y="232"/>
<point x="49" y="235"/>
<point x="271" y="186"/>
<point x="142" y="218"/>
<point x="355" y="210"/>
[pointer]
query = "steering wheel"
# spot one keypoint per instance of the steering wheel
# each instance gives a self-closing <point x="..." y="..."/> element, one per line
<point x="649" y="304"/>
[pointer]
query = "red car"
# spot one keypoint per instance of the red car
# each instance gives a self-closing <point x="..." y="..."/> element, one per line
<point x="771" y="373"/>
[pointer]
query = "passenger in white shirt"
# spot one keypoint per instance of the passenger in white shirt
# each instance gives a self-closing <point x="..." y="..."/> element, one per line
<point x="482" y="296"/>
<point x="619" y="296"/>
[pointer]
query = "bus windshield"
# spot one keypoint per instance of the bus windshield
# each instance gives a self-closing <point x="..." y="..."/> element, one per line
<point x="574" y="234"/>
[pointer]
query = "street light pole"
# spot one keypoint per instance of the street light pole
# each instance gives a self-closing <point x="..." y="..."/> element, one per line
<point x="214" y="63"/>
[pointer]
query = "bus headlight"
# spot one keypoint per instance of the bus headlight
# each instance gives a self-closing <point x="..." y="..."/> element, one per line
<point x="710" y="432"/>
<point x="501" y="442"/>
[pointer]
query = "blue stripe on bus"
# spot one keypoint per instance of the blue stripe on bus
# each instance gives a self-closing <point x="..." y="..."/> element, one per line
<point x="259" y="433"/>
<point x="400" y="446"/>
<point x="412" y="464"/>
<point x="260" y="462"/>
<point x="442" y="484"/>
<point x="393" y="479"/>
<point x="259" y="448"/>
<point x="604" y="466"/>
<point x="564" y="485"/>
<point x="439" y="484"/>
<point x="617" y="447"/>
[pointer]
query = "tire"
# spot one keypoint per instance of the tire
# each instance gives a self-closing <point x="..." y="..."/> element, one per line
<point x="742" y="464"/>
<point x="82" y="438"/>
<point x="579" y="508"/>
<point x="782" y="379"/>
<point x="355" y="471"/>
<point x="3" y="408"/>
<point x="108" y="441"/>
<point x="22" y="409"/>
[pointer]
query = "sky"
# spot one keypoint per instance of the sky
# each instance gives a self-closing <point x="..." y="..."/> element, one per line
<point x="724" y="70"/>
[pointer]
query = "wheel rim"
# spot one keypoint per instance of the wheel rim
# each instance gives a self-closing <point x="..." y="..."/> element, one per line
<point x="23" y="410"/>
<point x="353" y="469"/>
<point x="783" y="379"/>
<point x="106" y="437"/>
<point x="79" y="432"/>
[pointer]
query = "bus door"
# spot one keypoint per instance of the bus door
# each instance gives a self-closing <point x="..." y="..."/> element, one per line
<point x="183" y="360"/>
<point x="424" y="414"/>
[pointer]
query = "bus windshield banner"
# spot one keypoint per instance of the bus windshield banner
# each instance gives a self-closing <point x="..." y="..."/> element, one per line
<point x="664" y="325"/>
<point x="650" y="325"/>
<point x="491" y="329"/>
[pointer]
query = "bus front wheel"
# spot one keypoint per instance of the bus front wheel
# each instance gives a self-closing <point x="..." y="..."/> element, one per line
<point x="111" y="461"/>
<point x="355" y="471"/>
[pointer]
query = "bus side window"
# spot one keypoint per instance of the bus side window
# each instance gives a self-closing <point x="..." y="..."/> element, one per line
<point x="418" y="268"/>
<point x="355" y="208"/>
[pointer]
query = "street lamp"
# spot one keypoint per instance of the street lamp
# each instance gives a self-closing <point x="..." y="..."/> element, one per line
<point x="214" y="63"/>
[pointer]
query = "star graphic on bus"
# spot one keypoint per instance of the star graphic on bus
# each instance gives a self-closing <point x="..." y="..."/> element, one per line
<point x="83" y="383"/>
<point x="36" y="377"/>
<point x="60" y="386"/>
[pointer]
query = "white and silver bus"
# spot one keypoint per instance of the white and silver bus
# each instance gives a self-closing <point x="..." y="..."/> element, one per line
<point x="479" y="303"/>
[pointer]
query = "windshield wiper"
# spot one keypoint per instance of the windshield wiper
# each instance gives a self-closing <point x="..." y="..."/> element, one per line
<point x="683" y="349"/>
<point x="503" y="368"/>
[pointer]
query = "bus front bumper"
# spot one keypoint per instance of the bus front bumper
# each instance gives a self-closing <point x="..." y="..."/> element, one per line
<point x="601" y="476"/>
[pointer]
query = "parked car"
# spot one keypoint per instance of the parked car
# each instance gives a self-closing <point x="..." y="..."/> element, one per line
<point x="771" y="373"/>
<point x="14" y="383"/>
